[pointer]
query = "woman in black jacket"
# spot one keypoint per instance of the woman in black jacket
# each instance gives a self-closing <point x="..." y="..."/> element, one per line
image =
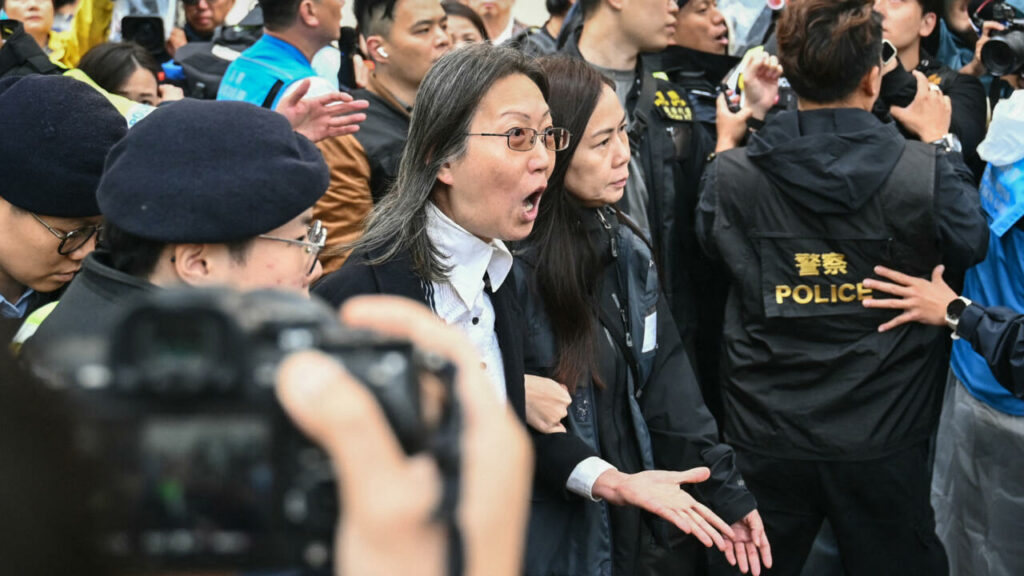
<point x="597" y="323"/>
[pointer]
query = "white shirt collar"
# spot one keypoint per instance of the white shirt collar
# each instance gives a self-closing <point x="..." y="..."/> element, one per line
<point x="467" y="256"/>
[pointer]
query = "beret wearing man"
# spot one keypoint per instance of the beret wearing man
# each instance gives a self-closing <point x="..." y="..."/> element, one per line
<point x="54" y="134"/>
<point x="242" y="217"/>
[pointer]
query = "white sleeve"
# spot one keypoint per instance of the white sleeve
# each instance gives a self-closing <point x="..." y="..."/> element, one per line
<point x="585" y="474"/>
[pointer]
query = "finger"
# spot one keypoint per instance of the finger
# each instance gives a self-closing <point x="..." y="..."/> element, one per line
<point x="719" y="524"/>
<point x="887" y="303"/>
<point x="730" y="553"/>
<point x="722" y="105"/>
<point x="937" y="273"/>
<point x="692" y="476"/>
<point x="333" y="97"/>
<point x="753" y="560"/>
<point x="344" y="108"/>
<point x="342" y="416"/>
<point x="346" y="120"/>
<point x="403" y="318"/>
<point x="899" y="277"/>
<point x="888" y="288"/>
<point x="706" y="527"/>
<point x="297" y="94"/>
<point x="695" y="528"/>
<point x="922" y="82"/>
<point x="556" y="428"/>
<point x="742" y="558"/>
<point x="897" y="321"/>
<point x="766" y="550"/>
<point x="677" y="518"/>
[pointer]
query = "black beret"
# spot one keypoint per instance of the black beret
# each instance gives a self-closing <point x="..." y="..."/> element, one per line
<point x="210" y="172"/>
<point x="54" y="135"/>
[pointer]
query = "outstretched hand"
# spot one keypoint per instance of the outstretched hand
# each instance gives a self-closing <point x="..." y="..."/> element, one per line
<point x="921" y="301"/>
<point x="749" y="548"/>
<point x="659" y="492"/>
<point x="320" y="117"/>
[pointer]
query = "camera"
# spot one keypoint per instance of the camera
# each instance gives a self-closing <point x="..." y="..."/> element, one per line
<point x="146" y="31"/>
<point x="1004" y="52"/>
<point x="202" y="468"/>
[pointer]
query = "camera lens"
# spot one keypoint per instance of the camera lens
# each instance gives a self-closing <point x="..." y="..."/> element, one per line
<point x="1004" y="54"/>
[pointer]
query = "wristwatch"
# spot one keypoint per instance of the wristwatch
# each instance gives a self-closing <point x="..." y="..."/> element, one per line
<point x="949" y="143"/>
<point x="954" y="310"/>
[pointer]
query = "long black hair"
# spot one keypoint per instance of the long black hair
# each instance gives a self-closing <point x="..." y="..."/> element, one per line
<point x="567" y="265"/>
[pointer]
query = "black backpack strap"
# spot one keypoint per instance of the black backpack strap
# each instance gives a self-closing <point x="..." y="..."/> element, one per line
<point x="642" y="108"/>
<point x="274" y="90"/>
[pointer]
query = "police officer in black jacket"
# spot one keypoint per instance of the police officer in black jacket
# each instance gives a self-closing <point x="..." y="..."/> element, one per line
<point x="829" y="417"/>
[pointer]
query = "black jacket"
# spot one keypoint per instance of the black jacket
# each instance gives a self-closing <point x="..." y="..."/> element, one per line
<point x="699" y="73"/>
<point x="998" y="335"/>
<point x="800" y="217"/>
<point x="382" y="136"/>
<point x="91" y="306"/>
<point x="671" y="149"/>
<point x="648" y="414"/>
<point x="556" y="454"/>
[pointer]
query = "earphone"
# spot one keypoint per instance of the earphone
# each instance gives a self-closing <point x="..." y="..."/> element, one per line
<point x="380" y="50"/>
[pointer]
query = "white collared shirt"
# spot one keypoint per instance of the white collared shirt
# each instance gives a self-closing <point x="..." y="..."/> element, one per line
<point x="461" y="300"/>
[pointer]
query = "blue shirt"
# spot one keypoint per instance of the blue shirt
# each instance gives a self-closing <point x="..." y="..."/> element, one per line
<point x="997" y="281"/>
<point x="17" y="309"/>
<point x="252" y="76"/>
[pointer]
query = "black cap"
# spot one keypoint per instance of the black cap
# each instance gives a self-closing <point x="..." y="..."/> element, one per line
<point x="54" y="135"/>
<point x="210" y="172"/>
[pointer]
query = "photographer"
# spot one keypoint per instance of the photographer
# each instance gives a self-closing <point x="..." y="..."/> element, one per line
<point x="906" y="23"/>
<point x="243" y="218"/>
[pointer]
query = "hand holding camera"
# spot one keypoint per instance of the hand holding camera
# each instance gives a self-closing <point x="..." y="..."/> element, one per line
<point x="389" y="497"/>
<point x="929" y="115"/>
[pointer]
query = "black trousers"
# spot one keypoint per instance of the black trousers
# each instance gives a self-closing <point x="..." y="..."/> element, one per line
<point x="880" y="511"/>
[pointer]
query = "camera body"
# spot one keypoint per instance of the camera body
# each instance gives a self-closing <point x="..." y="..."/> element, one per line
<point x="1004" y="52"/>
<point x="203" y="469"/>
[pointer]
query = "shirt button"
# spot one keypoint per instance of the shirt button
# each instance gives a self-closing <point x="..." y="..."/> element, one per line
<point x="476" y="320"/>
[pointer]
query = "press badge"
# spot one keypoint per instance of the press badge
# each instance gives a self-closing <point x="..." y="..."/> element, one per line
<point x="650" y="332"/>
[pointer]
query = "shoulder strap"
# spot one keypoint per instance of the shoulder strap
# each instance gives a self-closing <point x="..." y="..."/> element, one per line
<point x="648" y="85"/>
<point x="268" y="102"/>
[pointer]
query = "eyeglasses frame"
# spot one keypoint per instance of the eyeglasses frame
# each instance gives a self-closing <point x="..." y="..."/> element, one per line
<point x="533" y="139"/>
<point x="316" y="240"/>
<point x="64" y="236"/>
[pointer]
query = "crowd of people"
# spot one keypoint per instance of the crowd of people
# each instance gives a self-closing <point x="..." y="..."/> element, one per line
<point x="750" y="313"/>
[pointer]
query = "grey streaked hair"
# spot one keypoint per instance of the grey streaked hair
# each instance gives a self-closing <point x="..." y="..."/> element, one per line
<point x="442" y="115"/>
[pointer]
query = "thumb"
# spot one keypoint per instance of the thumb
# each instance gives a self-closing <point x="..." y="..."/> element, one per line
<point x="937" y="273"/>
<point x="922" y="81"/>
<point x="298" y="94"/>
<point x="693" y="475"/>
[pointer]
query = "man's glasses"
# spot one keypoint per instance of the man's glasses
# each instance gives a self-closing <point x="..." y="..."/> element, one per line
<point x="70" y="241"/>
<point x="524" y="139"/>
<point x="316" y="238"/>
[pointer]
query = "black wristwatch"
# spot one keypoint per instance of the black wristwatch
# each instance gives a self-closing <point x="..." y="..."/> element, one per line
<point x="954" y="310"/>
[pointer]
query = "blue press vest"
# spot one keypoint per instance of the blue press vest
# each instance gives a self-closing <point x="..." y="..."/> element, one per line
<point x="251" y="77"/>
<point x="996" y="281"/>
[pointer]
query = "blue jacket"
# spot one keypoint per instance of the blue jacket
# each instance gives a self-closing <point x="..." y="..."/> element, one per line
<point x="263" y="72"/>
<point x="997" y="281"/>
